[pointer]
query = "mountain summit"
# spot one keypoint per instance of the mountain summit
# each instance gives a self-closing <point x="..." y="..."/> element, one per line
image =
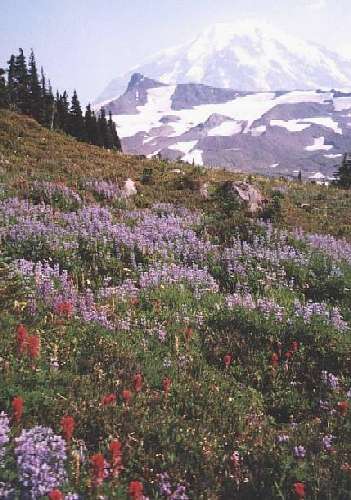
<point x="248" y="55"/>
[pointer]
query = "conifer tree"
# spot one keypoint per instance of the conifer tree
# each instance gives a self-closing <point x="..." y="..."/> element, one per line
<point x="62" y="112"/>
<point x="103" y="129"/>
<point x="91" y="127"/>
<point x="116" y="143"/>
<point x="344" y="173"/>
<point x="3" y="90"/>
<point x="11" y="86"/>
<point x="21" y="83"/>
<point x="48" y="102"/>
<point x="76" y="121"/>
<point x="50" y="107"/>
<point x="35" y="98"/>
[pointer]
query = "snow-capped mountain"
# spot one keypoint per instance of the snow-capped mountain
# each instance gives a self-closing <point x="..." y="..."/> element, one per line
<point x="270" y="132"/>
<point x="248" y="55"/>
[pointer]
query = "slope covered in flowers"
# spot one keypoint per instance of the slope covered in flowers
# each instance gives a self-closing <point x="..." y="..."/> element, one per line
<point x="154" y="349"/>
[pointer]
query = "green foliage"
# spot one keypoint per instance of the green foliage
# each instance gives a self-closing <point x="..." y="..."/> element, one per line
<point x="219" y="430"/>
<point x="344" y="173"/>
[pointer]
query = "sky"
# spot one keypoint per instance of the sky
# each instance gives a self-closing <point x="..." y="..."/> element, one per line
<point x="83" y="44"/>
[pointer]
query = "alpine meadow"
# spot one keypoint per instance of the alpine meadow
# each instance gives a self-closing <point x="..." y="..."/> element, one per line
<point x="175" y="259"/>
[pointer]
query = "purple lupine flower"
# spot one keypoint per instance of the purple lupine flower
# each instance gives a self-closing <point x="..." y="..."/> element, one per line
<point x="162" y="335"/>
<point x="167" y="490"/>
<point x="106" y="189"/>
<point x="167" y="363"/>
<point x="337" y="249"/>
<point x="4" y="436"/>
<point x="299" y="451"/>
<point x="330" y="379"/>
<point x="7" y="491"/>
<point x="51" y="190"/>
<point x="283" y="438"/>
<point x="324" y="405"/>
<point x="41" y="457"/>
<point x="327" y="442"/>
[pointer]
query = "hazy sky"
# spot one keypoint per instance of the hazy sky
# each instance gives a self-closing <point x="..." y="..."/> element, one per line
<point x="83" y="44"/>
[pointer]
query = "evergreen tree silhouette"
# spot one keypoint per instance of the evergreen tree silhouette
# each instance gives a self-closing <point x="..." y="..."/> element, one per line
<point x="76" y="121"/>
<point x="11" y="85"/>
<point x="344" y="172"/>
<point x="3" y="90"/>
<point x="116" y="143"/>
<point x="35" y="98"/>
<point x="103" y="130"/>
<point x="91" y="126"/>
<point x="48" y="102"/>
<point x="21" y="83"/>
<point x="62" y="112"/>
<point x="24" y="92"/>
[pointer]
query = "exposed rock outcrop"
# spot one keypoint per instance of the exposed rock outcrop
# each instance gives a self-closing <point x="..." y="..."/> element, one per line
<point x="246" y="194"/>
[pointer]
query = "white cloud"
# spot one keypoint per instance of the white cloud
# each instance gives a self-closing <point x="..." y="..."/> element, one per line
<point x="345" y="50"/>
<point x="315" y="4"/>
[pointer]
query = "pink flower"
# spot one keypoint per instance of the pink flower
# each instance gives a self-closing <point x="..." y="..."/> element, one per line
<point x="108" y="399"/>
<point x="33" y="346"/>
<point x="116" y="454"/>
<point x="98" y="468"/>
<point x="275" y="359"/>
<point x="17" y="408"/>
<point x="67" y="424"/>
<point x="299" y="489"/>
<point x="127" y="395"/>
<point x="138" y="382"/>
<point x="135" y="490"/>
<point x="166" y="384"/>
<point x="227" y="360"/>
<point x="22" y="338"/>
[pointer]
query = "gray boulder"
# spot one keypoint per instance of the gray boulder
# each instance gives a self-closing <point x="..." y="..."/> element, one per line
<point x="248" y="195"/>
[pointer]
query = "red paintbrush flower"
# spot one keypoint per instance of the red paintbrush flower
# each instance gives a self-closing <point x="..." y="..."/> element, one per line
<point x="108" y="399"/>
<point x="22" y="338"/>
<point x="55" y="495"/>
<point x="343" y="407"/>
<point x="67" y="424"/>
<point x="17" y="408"/>
<point x="135" y="490"/>
<point x="116" y="457"/>
<point x="127" y="395"/>
<point x="188" y="333"/>
<point x="64" y="308"/>
<point x="166" y="384"/>
<point x="33" y="346"/>
<point x="299" y="489"/>
<point x="275" y="359"/>
<point x="138" y="382"/>
<point x="227" y="360"/>
<point x="288" y="354"/>
<point x="134" y="301"/>
<point x="97" y="468"/>
<point x="295" y="346"/>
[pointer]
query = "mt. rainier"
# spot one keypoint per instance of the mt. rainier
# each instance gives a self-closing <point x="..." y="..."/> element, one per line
<point x="247" y="55"/>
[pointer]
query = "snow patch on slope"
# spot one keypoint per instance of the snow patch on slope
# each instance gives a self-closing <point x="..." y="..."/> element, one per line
<point x="290" y="125"/>
<point x="184" y="147"/>
<point x="318" y="145"/>
<point x="226" y="129"/>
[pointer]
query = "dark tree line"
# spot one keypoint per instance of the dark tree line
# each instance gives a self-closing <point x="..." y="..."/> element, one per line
<point x="25" y="92"/>
<point x="344" y="173"/>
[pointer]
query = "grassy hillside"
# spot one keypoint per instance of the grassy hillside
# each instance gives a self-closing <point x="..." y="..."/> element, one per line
<point x="166" y="345"/>
<point x="28" y="150"/>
